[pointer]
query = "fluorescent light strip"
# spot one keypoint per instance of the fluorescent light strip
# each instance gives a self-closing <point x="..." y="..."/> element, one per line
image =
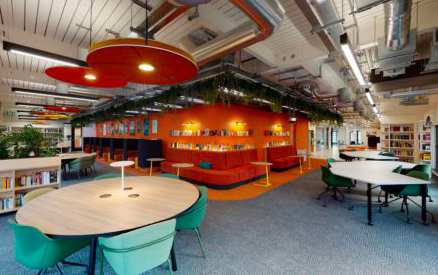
<point x="50" y="94"/>
<point x="369" y="97"/>
<point x="28" y="105"/>
<point x="168" y="105"/>
<point x="195" y="100"/>
<point x="375" y="109"/>
<point x="44" y="58"/>
<point x="351" y="59"/>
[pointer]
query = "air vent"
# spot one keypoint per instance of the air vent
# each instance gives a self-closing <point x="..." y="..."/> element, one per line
<point x="202" y="35"/>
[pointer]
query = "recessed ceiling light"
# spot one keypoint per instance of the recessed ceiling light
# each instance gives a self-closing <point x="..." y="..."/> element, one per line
<point x="90" y="76"/>
<point x="146" y="67"/>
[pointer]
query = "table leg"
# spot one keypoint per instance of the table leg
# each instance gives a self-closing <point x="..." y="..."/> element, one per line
<point x="386" y="199"/>
<point x="308" y="162"/>
<point x="267" y="179"/>
<point x="92" y="259"/>
<point x="301" y="167"/>
<point x="173" y="258"/>
<point x="123" y="178"/>
<point x="423" y="204"/>
<point x="370" y="206"/>
<point x="150" y="171"/>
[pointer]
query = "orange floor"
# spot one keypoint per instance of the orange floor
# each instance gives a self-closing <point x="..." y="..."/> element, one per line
<point x="250" y="190"/>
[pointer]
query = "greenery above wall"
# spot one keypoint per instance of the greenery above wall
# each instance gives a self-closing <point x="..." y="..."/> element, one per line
<point x="222" y="88"/>
<point x="29" y="142"/>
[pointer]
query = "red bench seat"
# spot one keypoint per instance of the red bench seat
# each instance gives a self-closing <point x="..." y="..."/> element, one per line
<point x="278" y="155"/>
<point x="228" y="169"/>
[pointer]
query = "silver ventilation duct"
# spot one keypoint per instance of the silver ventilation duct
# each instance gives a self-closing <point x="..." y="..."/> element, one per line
<point x="358" y="105"/>
<point x="345" y="95"/>
<point x="397" y="23"/>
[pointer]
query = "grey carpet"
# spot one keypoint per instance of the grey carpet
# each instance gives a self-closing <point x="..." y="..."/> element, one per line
<point x="287" y="231"/>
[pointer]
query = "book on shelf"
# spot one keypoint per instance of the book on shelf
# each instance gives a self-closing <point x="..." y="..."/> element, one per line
<point x="7" y="203"/>
<point x="38" y="178"/>
<point x="7" y="183"/>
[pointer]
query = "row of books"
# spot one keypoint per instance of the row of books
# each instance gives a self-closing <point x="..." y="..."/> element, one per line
<point x="38" y="178"/>
<point x="402" y="129"/>
<point x="207" y="132"/>
<point x="272" y="144"/>
<point x="425" y="156"/>
<point x="402" y="136"/>
<point x="400" y="144"/>
<point x="276" y="134"/>
<point x="211" y="147"/>
<point x="7" y="183"/>
<point x="6" y="203"/>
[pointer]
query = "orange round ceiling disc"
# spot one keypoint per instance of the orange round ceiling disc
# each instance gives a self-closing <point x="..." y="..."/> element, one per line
<point x="84" y="76"/>
<point x="133" y="60"/>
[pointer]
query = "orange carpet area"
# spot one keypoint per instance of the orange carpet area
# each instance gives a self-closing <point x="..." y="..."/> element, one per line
<point x="250" y="190"/>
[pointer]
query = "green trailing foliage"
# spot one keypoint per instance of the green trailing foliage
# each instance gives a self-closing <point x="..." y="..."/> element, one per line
<point x="222" y="88"/>
<point x="29" y="142"/>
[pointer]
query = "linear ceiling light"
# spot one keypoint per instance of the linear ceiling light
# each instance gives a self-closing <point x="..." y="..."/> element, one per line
<point x="52" y="94"/>
<point x="31" y="105"/>
<point x="369" y="97"/>
<point x="375" y="109"/>
<point x="351" y="59"/>
<point x="32" y="52"/>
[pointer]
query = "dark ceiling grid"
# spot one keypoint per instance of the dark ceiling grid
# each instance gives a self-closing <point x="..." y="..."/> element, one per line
<point x="24" y="17"/>
<point x="86" y="16"/>
<point x="93" y="23"/>
<point x="96" y="33"/>
<point x="38" y="65"/>
<point x="9" y="60"/>
<point x="59" y="21"/>
<point x="48" y="18"/>
<point x="71" y="20"/>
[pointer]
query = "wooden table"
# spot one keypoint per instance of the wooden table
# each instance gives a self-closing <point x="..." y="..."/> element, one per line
<point x="299" y="159"/>
<point x="267" y="164"/>
<point x="369" y="154"/>
<point x="379" y="173"/>
<point x="181" y="165"/>
<point x="79" y="210"/>
<point x="152" y="161"/>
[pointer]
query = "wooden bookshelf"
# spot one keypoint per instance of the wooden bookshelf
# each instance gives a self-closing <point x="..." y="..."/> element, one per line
<point x="424" y="135"/>
<point x="20" y="176"/>
<point x="400" y="139"/>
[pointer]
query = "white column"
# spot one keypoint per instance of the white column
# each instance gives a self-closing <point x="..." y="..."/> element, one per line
<point x="355" y="131"/>
<point x="347" y="132"/>
<point x="329" y="138"/>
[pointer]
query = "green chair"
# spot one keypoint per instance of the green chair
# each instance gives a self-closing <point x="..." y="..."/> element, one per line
<point x="107" y="176"/>
<point x="426" y="168"/>
<point x="331" y="160"/>
<point x="397" y="170"/>
<point x="36" y="193"/>
<point x="387" y="154"/>
<point x="93" y="160"/>
<point x="140" y="250"/>
<point x="36" y="250"/>
<point x="192" y="217"/>
<point x="333" y="183"/>
<point x="404" y="192"/>
<point x="166" y="175"/>
<point x="80" y="164"/>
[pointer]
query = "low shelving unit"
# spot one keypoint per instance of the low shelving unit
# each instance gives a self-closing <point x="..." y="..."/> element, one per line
<point x="20" y="176"/>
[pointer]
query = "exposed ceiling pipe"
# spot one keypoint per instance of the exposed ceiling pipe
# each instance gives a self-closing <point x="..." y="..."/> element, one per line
<point x="411" y="93"/>
<point x="397" y="23"/>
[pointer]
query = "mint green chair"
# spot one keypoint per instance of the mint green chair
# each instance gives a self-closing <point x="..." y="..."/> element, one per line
<point x="35" y="250"/>
<point x="36" y="193"/>
<point x="80" y="164"/>
<point x="107" y="176"/>
<point x="192" y="217"/>
<point x="387" y="154"/>
<point x="166" y="175"/>
<point x="333" y="183"/>
<point x="404" y="192"/>
<point x="140" y="250"/>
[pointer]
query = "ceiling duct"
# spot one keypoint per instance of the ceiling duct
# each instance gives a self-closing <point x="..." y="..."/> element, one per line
<point x="432" y="64"/>
<point x="358" y="105"/>
<point x="397" y="49"/>
<point x="62" y="87"/>
<point x="345" y="95"/>
<point x="412" y="101"/>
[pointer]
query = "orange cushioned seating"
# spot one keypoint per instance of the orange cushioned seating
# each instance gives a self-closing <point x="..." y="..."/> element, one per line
<point x="132" y="155"/>
<point x="228" y="169"/>
<point x="278" y="155"/>
<point x="118" y="154"/>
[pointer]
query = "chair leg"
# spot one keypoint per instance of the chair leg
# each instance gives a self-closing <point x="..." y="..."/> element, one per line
<point x="378" y="197"/>
<point x="405" y="201"/>
<point x="198" y="234"/>
<point x="328" y="189"/>
<point x="64" y="262"/>
<point x="427" y="211"/>
<point x="79" y="174"/>
<point x="59" y="270"/>
<point x="169" y="262"/>
<point x="430" y="198"/>
<point x="42" y="271"/>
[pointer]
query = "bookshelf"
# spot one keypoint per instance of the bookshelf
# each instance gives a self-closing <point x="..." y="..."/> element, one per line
<point x="424" y="142"/>
<point x="20" y="176"/>
<point x="400" y="139"/>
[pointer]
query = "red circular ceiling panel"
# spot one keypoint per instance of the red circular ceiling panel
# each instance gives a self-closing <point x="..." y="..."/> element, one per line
<point x="63" y="109"/>
<point x="84" y="76"/>
<point x="134" y="60"/>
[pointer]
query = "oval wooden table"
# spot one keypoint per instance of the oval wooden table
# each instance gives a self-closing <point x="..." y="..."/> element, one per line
<point x="86" y="210"/>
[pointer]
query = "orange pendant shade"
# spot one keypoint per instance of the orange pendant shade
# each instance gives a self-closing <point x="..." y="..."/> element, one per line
<point x="134" y="60"/>
<point x="84" y="76"/>
<point x="63" y="109"/>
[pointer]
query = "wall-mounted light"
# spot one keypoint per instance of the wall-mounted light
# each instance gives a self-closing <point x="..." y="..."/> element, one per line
<point x="189" y="124"/>
<point x="239" y="123"/>
<point x="279" y="126"/>
<point x="28" y="51"/>
<point x="351" y="58"/>
<point x="52" y="94"/>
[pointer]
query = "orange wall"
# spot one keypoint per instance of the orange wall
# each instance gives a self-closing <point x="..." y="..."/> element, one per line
<point x="218" y="117"/>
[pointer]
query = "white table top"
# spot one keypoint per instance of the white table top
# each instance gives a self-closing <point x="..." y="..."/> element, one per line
<point x="261" y="163"/>
<point x="78" y="210"/>
<point x="122" y="163"/>
<point x="183" y="165"/>
<point x="67" y="156"/>
<point x="369" y="154"/>
<point x="375" y="172"/>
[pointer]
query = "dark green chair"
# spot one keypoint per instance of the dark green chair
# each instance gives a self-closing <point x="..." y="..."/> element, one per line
<point x="426" y="168"/>
<point x="79" y="165"/>
<point x="387" y="154"/>
<point x="331" y="160"/>
<point x="140" y="250"/>
<point x="334" y="183"/>
<point x="397" y="170"/>
<point x="107" y="176"/>
<point x="404" y="192"/>
<point x="35" y="250"/>
<point x="167" y="175"/>
<point x="93" y="160"/>
<point x="192" y="217"/>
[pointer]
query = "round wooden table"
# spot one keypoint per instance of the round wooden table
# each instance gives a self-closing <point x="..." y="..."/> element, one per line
<point x="182" y="165"/>
<point x="152" y="161"/>
<point x="101" y="208"/>
<point x="267" y="164"/>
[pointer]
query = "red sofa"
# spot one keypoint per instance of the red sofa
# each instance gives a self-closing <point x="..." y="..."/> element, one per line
<point x="278" y="155"/>
<point x="228" y="169"/>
